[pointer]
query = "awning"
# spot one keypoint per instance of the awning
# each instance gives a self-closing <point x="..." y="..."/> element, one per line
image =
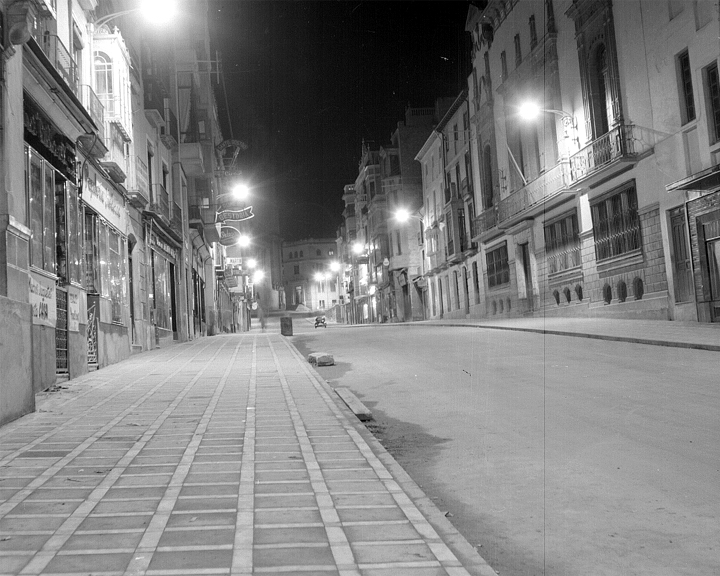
<point x="705" y="180"/>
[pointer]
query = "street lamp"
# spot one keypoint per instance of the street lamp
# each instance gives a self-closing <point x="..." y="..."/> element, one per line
<point x="243" y="241"/>
<point x="402" y="215"/>
<point x="155" y="11"/>
<point x="530" y="111"/>
<point x="239" y="192"/>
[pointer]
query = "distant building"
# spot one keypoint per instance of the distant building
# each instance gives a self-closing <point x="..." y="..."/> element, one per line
<point x="311" y="274"/>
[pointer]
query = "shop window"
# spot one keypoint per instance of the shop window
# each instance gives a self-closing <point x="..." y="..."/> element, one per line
<point x="616" y="225"/>
<point x="498" y="269"/>
<point x="161" y="297"/>
<point x="74" y="229"/>
<point x="91" y="254"/>
<point x="562" y="244"/>
<point x="115" y="274"/>
<point x="41" y="184"/>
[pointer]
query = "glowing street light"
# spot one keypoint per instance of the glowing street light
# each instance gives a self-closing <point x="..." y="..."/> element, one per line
<point x="258" y="275"/>
<point x="358" y="248"/>
<point x="243" y="241"/>
<point x="402" y="215"/>
<point x="252" y="263"/>
<point x="154" y="11"/>
<point x="530" y="111"/>
<point x="335" y="266"/>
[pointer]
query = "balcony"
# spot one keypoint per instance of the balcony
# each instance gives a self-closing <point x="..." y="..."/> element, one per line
<point x="169" y="130"/>
<point x="117" y="113"/>
<point x="93" y="105"/>
<point x="155" y="102"/>
<point x="93" y="143"/>
<point x="176" y="219"/>
<point x="61" y="59"/>
<point x="614" y="152"/>
<point x="484" y="226"/>
<point x="138" y="189"/>
<point x="203" y="220"/>
<point x="533" y="197"/>
<point x="191" y="156"/>
<point x="160" y="202"/>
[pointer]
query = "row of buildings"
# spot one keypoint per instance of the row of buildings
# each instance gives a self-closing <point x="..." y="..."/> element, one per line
<point x="577" y="174"/>
<point x="112" y="165"/>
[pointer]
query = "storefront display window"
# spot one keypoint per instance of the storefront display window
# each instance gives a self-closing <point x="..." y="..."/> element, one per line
<point x="92" y="281"/>
<point x="106" y="262"/>
<point x="116" y="278"/>
<point x="41" y="183"/>
<point x="161" y="297"/>
<point x="74" y="236"/>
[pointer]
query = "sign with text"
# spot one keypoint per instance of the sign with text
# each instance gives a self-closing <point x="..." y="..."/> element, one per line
<point x="73" y="312"/>
<point x="43" y="301"/>
<point x="229" y="235"/>
<point x="234" y="215"/>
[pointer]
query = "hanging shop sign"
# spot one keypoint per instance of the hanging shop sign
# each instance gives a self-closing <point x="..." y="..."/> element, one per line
<point x="229" y="235"/>
<point x="105" y="200"/>
<point x="47" y="139"/>
<point x="43" y="300"/>
<point x="234" y="215"/>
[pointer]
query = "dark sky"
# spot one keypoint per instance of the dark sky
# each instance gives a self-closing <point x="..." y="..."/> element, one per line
<point x="307" y="81"/>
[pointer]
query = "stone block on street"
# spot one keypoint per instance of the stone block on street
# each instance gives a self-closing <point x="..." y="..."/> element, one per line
<point x="321" y="359"/>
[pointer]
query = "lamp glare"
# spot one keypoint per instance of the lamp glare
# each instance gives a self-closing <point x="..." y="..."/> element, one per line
<point x="529" y="110"/>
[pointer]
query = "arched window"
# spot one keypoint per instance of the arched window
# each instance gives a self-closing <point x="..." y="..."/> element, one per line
<point x="317" y="252"/>
<point x="301" y="253"/>
<point x="103" y="74"/>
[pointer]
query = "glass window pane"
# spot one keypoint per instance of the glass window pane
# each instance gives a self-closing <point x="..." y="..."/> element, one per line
<point x="104" y="260"/>
<point x="49" y="221"/>
<point x="36" y="209"/>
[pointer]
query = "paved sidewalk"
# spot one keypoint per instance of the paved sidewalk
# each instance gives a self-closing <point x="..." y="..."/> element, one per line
<point x="653" y="332"/>
<point x="226" y="455"/>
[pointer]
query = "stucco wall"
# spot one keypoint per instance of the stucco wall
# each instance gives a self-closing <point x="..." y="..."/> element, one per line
<point x="16" y="385"/>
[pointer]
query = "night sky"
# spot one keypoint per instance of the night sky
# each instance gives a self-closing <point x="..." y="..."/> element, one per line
<point x="306" y="82"/>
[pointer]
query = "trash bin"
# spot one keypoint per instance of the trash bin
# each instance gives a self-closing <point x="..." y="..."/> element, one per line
<point x="286" y="326"/>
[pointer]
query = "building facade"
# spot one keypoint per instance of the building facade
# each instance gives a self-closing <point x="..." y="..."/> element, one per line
<point x="312" y="274"/>
<point x="109" y="128"/>
<point x="573" y="214"/>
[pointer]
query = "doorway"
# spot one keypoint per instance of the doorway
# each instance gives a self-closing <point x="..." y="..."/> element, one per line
<point x="682" y="263"/>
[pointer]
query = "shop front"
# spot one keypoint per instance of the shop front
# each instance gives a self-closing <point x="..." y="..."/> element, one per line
<point x="163" y="285"/>
<point x="105" y="221"/>
<point x="55" y="277"/>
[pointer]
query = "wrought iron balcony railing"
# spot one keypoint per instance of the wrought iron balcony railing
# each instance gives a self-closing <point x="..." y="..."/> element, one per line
<point x="160" y="201"/>
<point x="624" y="141"/>
<point x="61" y="59"/>
<point x="93" y="105"/>
<point x="176" y="219"/>
<point x="484" y="222"/>
<point x="536" y="192"/>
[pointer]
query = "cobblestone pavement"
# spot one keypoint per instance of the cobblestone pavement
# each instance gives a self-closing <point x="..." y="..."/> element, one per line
<point x="226" y="455"/>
